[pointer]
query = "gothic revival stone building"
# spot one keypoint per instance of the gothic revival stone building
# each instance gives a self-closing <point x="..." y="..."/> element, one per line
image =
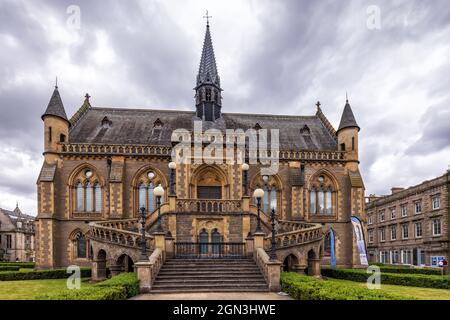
<point x="103" y="164"/>
<point x="16" y="236"/>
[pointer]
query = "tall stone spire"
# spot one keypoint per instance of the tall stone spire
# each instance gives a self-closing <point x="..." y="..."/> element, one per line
<point x="208" y="91"/>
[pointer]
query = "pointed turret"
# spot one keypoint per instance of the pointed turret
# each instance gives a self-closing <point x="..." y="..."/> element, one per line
<point x="348" y="119"/>
<point x="347" y="135"/>
<point x="208" y="91"/>
<point x="55" y="106"/>
<point x="56" y="125"/>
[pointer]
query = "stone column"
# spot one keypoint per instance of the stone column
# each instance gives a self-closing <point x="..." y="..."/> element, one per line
<point x="258" y="240"/>
<point x="249" y="245"/>
<point x="144" y="274"/>
<point x="314" y="268"/>
<point x="98" y="273"/>
<point x="273" y="275"/>
<point x="160" y="242"/>
<point x="169" y="246"/>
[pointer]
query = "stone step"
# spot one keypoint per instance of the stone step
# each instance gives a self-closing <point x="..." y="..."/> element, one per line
<point x="215" y="272"/>
<point x="208" y="285"/>
<point x="212" y="268"/>
<point x="193" y="263"/>
<point x="236" y="276"/>
<point x="222" y="289"/>
<point x="194" y="282"/>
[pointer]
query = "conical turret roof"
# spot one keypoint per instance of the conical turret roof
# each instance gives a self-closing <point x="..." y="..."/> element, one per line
<point x="55" y="106"/>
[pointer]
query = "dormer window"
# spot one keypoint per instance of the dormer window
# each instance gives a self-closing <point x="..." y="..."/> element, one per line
<point x="158" y="123"/>
<point x="106" y="123"/>
<point x="305" y="130"/>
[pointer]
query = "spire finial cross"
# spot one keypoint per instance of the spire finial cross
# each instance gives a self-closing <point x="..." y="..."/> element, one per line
<point x="318" y="104"/>
<point x="56" y="83"/>
<point x="207" y="18"/>
<point x="87" y="96"/>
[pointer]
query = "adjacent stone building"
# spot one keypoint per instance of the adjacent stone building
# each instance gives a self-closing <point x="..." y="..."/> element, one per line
<point x="411" y="226"/>
<point x="103" y="164"/>
<point x="16" y="236"/>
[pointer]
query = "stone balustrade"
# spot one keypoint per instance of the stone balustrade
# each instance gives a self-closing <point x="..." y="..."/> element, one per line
<point x="132" y="149"/>
<point x="270" y="269"/>
<point x="112" y="234"/>
<point x="300" y="233"/>
<point x="209" y="206"/>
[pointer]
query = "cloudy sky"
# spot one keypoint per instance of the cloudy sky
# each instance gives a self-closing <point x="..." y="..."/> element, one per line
<point x="273" y="57"/>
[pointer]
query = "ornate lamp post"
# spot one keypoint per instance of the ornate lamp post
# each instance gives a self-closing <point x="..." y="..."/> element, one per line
<point x="258" y="194"/>
<point x="245" y="168"/>
<point x="272" y="255"/>
<point x="172" y="167"/>
<point x="143" y="243"/>
<point x="159" y="192"/>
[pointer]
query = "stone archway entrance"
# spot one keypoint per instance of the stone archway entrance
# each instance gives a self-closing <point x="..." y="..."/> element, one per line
<point x="126" y="263"/>
<point x="99" y="266"/>
<point x="313" y="268"/>
<point x="290" y="263"/>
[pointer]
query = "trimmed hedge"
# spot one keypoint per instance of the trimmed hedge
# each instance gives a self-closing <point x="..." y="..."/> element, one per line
<point x="120" y="287"/>
<point x="407" y="269"/>
<point x="40" y="274"/>
<point x="9" y="268"/>
<point x="302" y="287"/>
<point x="25" y="265"/>
<point x="410" y="280"/>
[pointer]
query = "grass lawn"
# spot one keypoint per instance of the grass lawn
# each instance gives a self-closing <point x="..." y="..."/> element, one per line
<point x="28" y="289"/>
<point x="418" y="293"/>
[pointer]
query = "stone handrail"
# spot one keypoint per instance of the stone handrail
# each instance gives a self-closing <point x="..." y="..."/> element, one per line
<point x="156" y="260"/>
<point x="298" y="233"/>
<point x="140" y="149"/>
<point x="112" y="234"/>
<point x="147" y="270"/>
<point x="210" y="205"/>
<point x="270" y="269"/>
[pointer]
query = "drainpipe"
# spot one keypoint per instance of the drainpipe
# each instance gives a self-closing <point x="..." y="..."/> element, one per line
<point x="109" y="163"/>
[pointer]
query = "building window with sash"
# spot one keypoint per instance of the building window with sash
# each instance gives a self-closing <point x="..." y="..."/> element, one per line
<point x="437" y="227"/>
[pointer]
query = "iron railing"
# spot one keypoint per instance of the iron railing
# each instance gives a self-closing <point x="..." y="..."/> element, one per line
<point x="210" y="250"/>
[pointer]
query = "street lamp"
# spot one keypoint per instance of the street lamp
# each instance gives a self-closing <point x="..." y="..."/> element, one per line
<point x="258" y="194"/>
<point x="245" y="168"/>
<point x="143" y="243"/>
<point x="172" y="167"/>
<point x="273" y="255"/>
<point x="159" y="192"/>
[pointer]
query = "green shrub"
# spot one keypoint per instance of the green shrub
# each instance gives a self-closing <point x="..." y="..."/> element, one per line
<point x="389" y="268"/>
<point x="120" y="287"/>
<point x="411" y="280"/>
<point x="9" y="268"/>
<point x="27" y="265"/>
<point x="40" y="274"/>
<point x="303" y="287"/>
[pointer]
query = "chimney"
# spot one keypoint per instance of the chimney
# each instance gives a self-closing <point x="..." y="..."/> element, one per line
<point x="395" y="190"/>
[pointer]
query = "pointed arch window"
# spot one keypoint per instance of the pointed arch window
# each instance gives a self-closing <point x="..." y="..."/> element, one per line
<point x="322" y="196"/>
<point x="98" y="197"/>
<point x="151" y="197"/>
<point x="80" y="245"/>
<point x="147" y="197"/>
<point x="273" y="198"/>
<point x="88" y="193"/>
<point x="80" y="197"/>
<point x="142" y="198"/>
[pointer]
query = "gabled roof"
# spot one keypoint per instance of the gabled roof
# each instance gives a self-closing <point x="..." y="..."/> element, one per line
<point x="55" y="106"/>
<point x="348" y="119"/>
<point x="135" y="126"/>
<point x="207" y="71"/>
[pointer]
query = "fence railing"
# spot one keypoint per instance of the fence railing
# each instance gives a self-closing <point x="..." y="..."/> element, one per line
<point x="209" y="206"/>
<point x="210" y="250"/>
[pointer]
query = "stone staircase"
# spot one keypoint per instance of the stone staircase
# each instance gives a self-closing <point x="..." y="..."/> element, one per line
<point x="209" y="275"/>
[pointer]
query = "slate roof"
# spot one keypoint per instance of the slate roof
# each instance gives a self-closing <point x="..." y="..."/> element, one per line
<point x="348" y="119"/>
<point x="138" y="126"/>
<point x="47" y="172"/>
<point x="207" y="71"/>
<point x="356" y="179"/>
<point x="55" y="106"/>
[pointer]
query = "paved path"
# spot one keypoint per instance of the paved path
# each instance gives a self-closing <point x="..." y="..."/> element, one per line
<point x="213" y="296"/>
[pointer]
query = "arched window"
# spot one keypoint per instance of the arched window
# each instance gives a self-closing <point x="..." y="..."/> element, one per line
<point x="142" y="199"/>
<point x="273" y="198"/>
<point x="266" y="207"/>
<point x="321" y="196"/>
<point x="89" y="197"/>
<point x="80" y="246"/>
<point x="98" y="197"/>
<point x="80" y="197"/>
<point x="87" y="192"/>
<point x="203" y="239"/>
<point x="151" y="197"/>
<point x="312" y="201"/>
<point x="215" y="239"/>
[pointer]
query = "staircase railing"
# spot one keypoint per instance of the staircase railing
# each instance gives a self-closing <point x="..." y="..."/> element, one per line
<point x="208" y="206"/>
<point x="108" y="231"/>
<point x="292" y="233"/>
